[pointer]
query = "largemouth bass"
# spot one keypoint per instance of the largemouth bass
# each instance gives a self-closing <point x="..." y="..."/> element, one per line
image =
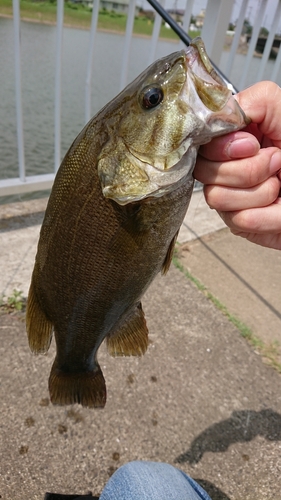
<point x="117" y="204"/>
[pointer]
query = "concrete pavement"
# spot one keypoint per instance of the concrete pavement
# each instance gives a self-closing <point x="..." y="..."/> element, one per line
<point x="202" y="398"/>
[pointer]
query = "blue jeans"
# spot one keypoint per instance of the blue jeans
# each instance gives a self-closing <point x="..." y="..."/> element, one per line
<point x="152" y="481"/>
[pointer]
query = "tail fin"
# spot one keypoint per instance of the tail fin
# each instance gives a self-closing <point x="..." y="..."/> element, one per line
<point x="39" y="328"/>
<point x="85" y="388"/>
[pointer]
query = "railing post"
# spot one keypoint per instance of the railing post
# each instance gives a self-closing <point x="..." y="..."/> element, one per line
<point x="155" y="35"/>
<point x="216" y="22"/>
<point x="269" y="42"/>
<point x="235" y="42"/>
<point x="94" y="22"/>
<point x="127" y="43"/>
<point x="186" y="18"/>
<point x="60" y="9"/>
<point x="16" y="13"/>
<point x="277" y="65"/>
<point x="253" y="42"/>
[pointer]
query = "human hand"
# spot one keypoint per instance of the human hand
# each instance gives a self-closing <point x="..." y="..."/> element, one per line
<point x="242" y="170"/>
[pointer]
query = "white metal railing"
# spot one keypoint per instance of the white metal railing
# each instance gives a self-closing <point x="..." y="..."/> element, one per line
<point x="218" y="15"/>
<point x="16" y="11"/>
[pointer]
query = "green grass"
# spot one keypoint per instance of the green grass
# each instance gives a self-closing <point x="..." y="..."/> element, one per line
<point x="77" y="15"/>
<point x="14" y="303"/>
<point x="269" y="352"/>
<point x="47" y="12"/>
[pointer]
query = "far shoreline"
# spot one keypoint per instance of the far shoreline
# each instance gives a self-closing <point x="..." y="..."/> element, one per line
<point x="85" y="28"/>
<point x="242" y="49"/>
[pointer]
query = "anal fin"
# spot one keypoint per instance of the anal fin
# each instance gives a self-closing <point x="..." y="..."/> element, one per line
<point x="86" y="388"/>
<point x="131" y="338"/>
<point x="39" y="328"/>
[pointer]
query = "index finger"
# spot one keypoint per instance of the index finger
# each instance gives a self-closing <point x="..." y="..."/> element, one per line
<point x="243" y="173"/>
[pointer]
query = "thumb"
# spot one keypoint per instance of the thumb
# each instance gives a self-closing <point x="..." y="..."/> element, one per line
<point x="262" y="103"/>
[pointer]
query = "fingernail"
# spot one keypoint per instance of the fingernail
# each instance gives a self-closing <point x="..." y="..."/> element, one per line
<point x="275" y="162"/>
<point x="242" y="148"/>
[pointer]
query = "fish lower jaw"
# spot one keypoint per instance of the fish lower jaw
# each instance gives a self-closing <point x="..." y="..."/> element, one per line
<point x="158" y="183"/>
<point x="155" y="190"/>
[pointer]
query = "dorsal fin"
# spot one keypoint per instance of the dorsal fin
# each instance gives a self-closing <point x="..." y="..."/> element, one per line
<point x="131" y="338"/>
<point x="169" y="256"/>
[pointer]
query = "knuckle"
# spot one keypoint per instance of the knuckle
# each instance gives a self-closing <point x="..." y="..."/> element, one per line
<point x="272" y="188"/>
<point x="215" y="197"/>
<point x="244" y="220"/>
<point x="258" y="168"/>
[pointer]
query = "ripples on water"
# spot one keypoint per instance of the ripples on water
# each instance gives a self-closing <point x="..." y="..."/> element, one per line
<point x="38" y="45"/>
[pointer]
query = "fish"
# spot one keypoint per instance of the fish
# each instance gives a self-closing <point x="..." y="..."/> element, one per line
<point x="113" y="216"/>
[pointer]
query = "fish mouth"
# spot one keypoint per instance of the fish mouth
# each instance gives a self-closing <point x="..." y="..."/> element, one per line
<point x="210" y="87"/>
<point x="198" y="61"/>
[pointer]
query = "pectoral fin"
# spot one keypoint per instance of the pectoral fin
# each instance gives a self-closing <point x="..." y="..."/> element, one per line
<point x="169" y="256"/>
<point x="133" y="228"/>
<point x="131" y="339"/>
<point x="39" y="328"/>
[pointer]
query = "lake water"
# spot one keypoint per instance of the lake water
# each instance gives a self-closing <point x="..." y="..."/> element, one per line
<point x="38" y="77"/>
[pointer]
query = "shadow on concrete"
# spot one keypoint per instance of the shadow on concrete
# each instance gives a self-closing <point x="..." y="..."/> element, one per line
<point x="212" y="490"/>
<point x="242" y="426"/>
<point x="21" y="221"/>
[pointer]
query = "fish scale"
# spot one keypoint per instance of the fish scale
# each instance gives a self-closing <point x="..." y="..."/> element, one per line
<point x="118" y="201"/>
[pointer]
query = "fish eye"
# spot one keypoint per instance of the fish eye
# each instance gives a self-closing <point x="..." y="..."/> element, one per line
<point x="152" y="97"/>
